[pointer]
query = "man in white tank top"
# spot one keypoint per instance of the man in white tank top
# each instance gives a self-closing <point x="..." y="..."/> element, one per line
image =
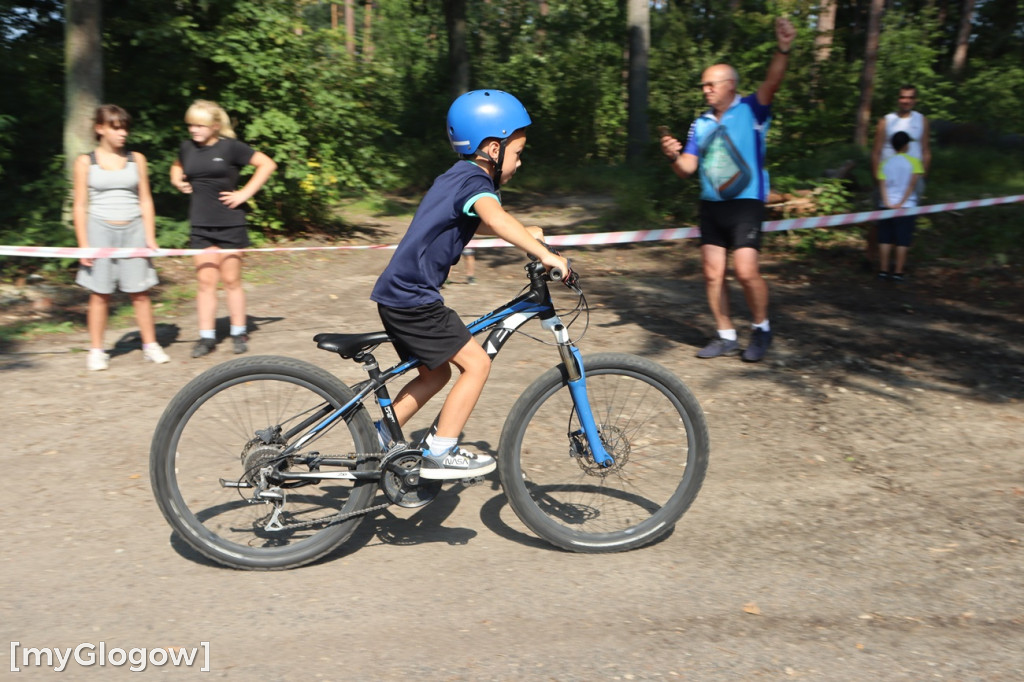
<point x="905" y="119"/>
<point x="914" y="124"/>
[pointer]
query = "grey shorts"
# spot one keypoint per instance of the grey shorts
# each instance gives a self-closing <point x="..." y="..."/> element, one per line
<point x="131" y="275"/>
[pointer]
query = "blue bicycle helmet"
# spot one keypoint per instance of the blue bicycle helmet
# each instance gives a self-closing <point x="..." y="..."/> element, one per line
<point x="480" y="114"/>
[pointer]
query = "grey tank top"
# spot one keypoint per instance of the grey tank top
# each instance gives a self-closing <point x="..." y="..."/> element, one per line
<point x="114" y="194"/>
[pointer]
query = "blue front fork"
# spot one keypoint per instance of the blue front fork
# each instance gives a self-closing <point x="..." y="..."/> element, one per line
<point x="573" y="362"/>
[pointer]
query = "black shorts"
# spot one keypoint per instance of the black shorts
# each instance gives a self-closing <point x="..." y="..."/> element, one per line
<point x="732" y="224"/>
<point x="234" y="237"/>
<point x="898" y="230"/>
<point x="434" y="333"/>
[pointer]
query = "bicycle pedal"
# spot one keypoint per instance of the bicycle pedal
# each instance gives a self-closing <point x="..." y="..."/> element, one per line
<point x="476" y="480"/>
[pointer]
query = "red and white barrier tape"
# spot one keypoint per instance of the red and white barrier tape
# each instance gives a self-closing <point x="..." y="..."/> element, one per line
<point x="553" y="240"/>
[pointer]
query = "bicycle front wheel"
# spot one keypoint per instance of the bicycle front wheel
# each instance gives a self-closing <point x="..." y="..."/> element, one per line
<point x="649" y="422"/>
<point x="231" y="423"/>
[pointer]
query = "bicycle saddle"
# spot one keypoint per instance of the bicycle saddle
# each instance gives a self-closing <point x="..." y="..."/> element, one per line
<point x="351" y="345"/>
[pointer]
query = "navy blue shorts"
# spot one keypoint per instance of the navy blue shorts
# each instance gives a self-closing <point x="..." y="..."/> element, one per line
<point x="898" y="230"/>
<point x="733" y="224"/>
<point x="434" y="333"/>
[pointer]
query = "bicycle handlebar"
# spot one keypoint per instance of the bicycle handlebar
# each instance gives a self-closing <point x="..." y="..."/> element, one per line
<point x="556" y="275"/>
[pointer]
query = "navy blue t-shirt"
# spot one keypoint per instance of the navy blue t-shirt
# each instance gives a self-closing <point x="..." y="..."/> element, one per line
<point x="443" y="225"/>
<point x="212" y="169"/>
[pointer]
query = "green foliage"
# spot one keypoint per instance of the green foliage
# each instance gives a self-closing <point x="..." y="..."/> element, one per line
<point x="340" y="124"/>
<point x="40" y="222"/>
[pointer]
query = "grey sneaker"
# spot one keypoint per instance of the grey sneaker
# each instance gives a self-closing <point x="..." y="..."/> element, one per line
<point x="759" y="342"/>
<point x="241" y="342"/>
<point x="455" y="463"/>
<point x="203" y="347"/>
<point x="718" y="347"/>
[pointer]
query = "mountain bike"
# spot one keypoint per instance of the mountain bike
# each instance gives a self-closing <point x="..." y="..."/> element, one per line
<point x="270" y="462"/>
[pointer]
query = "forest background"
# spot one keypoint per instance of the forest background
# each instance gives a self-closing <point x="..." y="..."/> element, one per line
<point x="349" y="98"/>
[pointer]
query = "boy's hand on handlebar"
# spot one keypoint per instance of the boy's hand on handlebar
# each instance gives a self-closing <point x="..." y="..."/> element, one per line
<point x="554" y="261"/>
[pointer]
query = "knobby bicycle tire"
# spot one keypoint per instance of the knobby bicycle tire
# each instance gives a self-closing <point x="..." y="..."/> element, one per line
<point x="207" y="433"/>
<point x="649" y="422"/>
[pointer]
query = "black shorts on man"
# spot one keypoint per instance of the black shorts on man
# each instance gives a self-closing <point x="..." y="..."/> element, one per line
<point x="733" y="224"/>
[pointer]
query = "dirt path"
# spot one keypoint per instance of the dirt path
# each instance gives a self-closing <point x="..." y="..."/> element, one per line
<point x="862" y="516"/>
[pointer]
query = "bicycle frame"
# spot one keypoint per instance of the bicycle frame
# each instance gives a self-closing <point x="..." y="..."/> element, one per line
<point x="502" y="324"/>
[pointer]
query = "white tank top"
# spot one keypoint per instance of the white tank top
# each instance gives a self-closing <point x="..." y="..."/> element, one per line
<point x="114" y="194"/>
<point x="912" y="125"/>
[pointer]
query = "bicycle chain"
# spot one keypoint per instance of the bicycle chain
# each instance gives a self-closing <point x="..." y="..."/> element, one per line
<point x="340" y="516"/>
<point x="337" y="518"/>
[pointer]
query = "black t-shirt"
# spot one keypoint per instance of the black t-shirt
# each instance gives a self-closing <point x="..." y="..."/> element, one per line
<point x="212" y="169"/>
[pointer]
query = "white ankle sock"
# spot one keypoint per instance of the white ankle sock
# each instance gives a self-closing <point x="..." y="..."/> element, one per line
<point x="438" y="445"/>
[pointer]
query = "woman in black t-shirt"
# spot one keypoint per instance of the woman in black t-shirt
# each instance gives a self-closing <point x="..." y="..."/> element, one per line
<point x="207" y="169"/>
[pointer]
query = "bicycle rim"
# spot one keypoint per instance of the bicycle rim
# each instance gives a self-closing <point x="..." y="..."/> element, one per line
<point x="208" y="435"/>
<point x="649" y="422"/>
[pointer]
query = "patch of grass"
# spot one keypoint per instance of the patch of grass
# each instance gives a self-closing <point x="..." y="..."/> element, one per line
<point x="24" y="331"/>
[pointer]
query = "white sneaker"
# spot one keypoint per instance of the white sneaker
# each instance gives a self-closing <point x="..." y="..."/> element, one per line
<point x="155" y="355"/>
<point x="455" y="463"/>
<point x="97" y="361"/>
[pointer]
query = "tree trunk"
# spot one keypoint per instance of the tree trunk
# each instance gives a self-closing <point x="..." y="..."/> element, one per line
<point x="458" y="50"/>
<point x="639" y="20"/>
<point x="367" y="32"/>
<point x="826" y="29"/>
<point x="350" y="27"/>
<point x="962" y="39"/>
<point x="83" y="76"/>
<point x="867" y="77"/>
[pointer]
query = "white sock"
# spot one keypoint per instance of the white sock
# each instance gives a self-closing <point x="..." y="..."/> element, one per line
<point x="98" y="351"/>
<point x="763" y="326"/>
<point x="208" y="333"/>
<point x="439" y="446"/>
<point x="237" y="329"/>
<point x="727" y="334"/>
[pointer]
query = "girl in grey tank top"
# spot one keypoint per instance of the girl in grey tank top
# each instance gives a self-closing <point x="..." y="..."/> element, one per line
<point x="113" y="207"/>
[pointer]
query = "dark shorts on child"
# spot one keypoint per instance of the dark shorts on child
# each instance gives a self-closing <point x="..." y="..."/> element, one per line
<point x="234" y="237"/>
<point x="434" y="333"/>
<point x="733" y="224"/>
<point x="898" y="230"/>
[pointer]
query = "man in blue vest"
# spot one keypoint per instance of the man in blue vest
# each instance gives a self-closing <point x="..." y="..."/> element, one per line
<point x="726" y="144"/>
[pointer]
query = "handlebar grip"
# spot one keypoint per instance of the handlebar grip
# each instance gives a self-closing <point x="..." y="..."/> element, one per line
<point x="556" y="274"/>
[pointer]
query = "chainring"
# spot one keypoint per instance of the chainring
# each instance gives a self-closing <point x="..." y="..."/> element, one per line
<point x="402" y="487"/>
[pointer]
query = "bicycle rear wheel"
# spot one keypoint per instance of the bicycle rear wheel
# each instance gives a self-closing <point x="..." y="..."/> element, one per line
<point x="649" y="422"/>
<point x="209" y="434"/>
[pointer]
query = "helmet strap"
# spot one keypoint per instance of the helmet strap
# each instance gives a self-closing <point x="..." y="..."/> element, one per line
<point x="495" y="165"/>
<point x="499" y="164"/>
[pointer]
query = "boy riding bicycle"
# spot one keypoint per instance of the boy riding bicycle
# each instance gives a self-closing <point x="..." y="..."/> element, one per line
<point x="486" y="130"/>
